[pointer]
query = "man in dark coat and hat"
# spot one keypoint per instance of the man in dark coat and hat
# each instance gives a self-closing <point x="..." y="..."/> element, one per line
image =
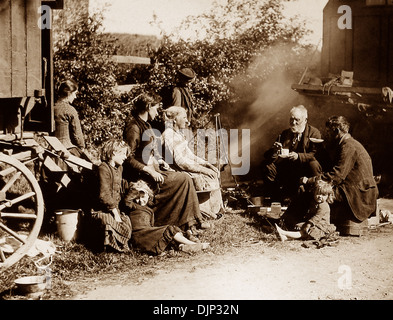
<point x="181" y="94"/>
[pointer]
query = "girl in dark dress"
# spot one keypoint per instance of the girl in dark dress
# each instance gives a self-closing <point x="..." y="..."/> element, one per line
<point x="115" y="225"/>
<point x="147" y="237"/>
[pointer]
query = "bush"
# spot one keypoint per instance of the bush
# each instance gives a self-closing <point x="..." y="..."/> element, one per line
<point x="231" y="55"/>
<point x="86" y="57"/>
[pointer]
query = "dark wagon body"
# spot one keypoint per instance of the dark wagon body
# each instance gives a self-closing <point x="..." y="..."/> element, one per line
<point x="26" y="121"/>
<point x="26" y="66"/>
<point x="356" y="77"/>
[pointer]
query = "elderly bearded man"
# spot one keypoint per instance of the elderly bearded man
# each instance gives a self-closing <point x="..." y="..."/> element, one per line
<point x="282" y="170"/>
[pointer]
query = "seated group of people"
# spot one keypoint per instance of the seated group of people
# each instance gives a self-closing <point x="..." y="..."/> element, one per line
<point x="143" y="200"/>
<point x="337" y="166"/>
<point x="151" y="204"/>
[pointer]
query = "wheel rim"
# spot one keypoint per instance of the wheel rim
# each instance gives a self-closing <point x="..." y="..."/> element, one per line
<point x="21" y="210"/>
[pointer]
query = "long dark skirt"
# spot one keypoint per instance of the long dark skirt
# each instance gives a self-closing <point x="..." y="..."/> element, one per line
<point x="147" y="237"/>
<point x="177" y="201"/>
<point x="154" y="240"/>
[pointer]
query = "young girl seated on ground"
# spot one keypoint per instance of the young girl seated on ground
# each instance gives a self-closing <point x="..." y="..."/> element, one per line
<point x="116" y="226"/>
<point x="317" y="225"/>
<point x="147" y="237"/>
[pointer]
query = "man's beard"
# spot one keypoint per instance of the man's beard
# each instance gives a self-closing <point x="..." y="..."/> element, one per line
<point x="298" y="129"/>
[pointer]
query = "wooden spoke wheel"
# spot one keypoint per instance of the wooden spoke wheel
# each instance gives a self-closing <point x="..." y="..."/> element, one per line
<point x="21" y="210"/>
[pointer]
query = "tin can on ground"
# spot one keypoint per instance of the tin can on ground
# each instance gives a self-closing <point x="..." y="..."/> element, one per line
<point x="275" y="210"/>
<point x="262" y="211"/>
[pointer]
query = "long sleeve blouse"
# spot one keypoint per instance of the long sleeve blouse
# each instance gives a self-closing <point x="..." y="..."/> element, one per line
<point x="111" y="186"/>
<point x="67" y="125"/>
<point x="142" y="141"/>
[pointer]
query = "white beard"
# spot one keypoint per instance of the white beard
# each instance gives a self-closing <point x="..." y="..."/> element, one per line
<point x="298" y="129"/>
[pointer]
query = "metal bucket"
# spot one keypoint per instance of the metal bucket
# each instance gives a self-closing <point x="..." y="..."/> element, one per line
<point x="67" y="223"/>
<point x="351" y="227"/>
<point x="29" y="285"/>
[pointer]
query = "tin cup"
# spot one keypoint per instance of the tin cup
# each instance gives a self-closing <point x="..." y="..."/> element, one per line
<point x="284" y="152"/>
<point x="275" y="210"/>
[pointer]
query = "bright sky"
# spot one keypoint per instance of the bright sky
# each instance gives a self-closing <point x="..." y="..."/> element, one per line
<point x="133" y="16"/>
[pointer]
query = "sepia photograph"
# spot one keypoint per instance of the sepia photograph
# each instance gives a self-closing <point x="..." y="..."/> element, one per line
<point x="196" y="157"/>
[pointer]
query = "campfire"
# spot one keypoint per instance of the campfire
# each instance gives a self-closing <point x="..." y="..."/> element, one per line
<point x="242" y="195"/>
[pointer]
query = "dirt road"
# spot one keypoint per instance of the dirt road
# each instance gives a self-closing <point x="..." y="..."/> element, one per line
<point x="357" y="268"/>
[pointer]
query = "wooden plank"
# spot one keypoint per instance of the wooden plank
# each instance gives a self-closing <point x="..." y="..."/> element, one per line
<point x="80" y="162"/>
<point x="48" y="83"/>
<point x="5" y="48"/>
<point x="33" y="45"/>
<point x="59" y="147"/>
<point x="18" y="48"/>
<point x="18" y="215"/>
<point x="390" y="49"/>
<point x="17" y="136"/>
<point x="131" y="59"/>
<point x="23" y="156"/>
<point x="54" y="4"/>
<point x="52" y="166"/>
<point x="55" y="143"/>
<point x="337" y="89"/>
<point x="336" y="47"/>
<point x="366" y="55"/>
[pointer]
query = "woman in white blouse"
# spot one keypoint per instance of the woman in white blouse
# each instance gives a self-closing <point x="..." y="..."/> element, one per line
<point x="204" y="174"/>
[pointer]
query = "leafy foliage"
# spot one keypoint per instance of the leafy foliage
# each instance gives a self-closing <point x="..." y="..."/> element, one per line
<point x="85" y="57"/>
<point x="231" y="50"/>
<point x="236" y="36"/>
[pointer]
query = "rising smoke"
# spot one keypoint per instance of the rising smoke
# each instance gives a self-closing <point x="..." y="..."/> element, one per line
<point x="265" y="105"/>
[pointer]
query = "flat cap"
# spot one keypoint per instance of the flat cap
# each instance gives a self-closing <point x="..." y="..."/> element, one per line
<point x="188" y="73"/>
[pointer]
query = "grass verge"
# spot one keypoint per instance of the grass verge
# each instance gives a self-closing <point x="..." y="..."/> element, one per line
<point x="74" y="263"/>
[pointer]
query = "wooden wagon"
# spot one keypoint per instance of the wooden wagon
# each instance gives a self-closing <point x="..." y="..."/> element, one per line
<point x="26" y="122"/>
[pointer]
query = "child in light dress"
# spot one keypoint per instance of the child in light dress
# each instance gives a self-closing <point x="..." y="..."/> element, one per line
<point x="317" y="224"/>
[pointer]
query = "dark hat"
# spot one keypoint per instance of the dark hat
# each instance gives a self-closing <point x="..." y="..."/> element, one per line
<point x="188" y="73"/>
